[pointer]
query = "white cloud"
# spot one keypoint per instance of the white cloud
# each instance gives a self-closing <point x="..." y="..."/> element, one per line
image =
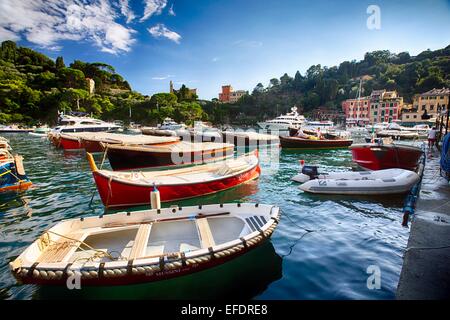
<point x="153" y="7"/>
<point x="247" y="44"/>
<point x="126" y="11"/>
<point x="7" y="35"/>
<point x="46" y="22"/>
<point x="163" y="77"/>
<point x="171" y="12"/>
<point x="160" y="30"/>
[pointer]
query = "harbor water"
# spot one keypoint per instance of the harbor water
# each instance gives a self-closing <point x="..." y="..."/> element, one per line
<point x="322" y="248"/>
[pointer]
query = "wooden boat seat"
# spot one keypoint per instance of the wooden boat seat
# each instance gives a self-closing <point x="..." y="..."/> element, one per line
<point x="58" y="251"/>
<point x="140" y="242"/>
<point x="204" y="232"/>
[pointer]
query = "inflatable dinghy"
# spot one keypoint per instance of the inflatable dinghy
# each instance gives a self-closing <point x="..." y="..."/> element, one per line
<point x="388" y="181"/>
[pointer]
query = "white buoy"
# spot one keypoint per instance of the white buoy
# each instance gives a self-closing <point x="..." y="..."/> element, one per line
<point x="155" y="198"/>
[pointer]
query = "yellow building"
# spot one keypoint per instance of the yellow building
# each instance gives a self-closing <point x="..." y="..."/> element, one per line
<point x="427" y="105"/>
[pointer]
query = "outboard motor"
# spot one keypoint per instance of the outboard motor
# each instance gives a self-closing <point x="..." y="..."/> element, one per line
<point x="311" y="171"/>
<point x="307" y="173"/>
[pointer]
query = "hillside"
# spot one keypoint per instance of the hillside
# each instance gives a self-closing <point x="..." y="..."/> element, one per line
<point x="329" y="86"/>
<point x="33" y="88"/>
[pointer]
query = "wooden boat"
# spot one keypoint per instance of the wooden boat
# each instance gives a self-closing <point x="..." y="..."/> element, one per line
<point x="388" y="181"/>
<point x="300" y="143"/>
<point x="95" y="141"/>
<point x="376" y="156"/>
<point x="144" y="246"/>
<point x="12" y="172"/>
<point x="180" y="153"/>
<point x="122" y="189"/>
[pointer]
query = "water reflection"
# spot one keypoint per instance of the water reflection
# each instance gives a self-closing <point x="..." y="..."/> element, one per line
<point x="241" y="278"/>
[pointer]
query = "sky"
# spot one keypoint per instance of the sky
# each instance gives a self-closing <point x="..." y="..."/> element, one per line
<point x="209" y="43"/>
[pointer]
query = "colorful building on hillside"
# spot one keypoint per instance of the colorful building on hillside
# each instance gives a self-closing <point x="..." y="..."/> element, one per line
<point x="389" y="108"/>
<point x="228" y="95"/>
<point x="380" y="106"/>
<point x="356" y="110"/>
<point x="426" y="106"/>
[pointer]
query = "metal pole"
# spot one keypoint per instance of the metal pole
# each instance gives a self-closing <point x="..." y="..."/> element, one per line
<point x="446" y="124"/>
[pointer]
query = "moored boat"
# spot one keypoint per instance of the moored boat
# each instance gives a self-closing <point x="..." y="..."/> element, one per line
<point x="380" y="182"/>
<point x="175" y="154"/>
<point x="313" y="143"/>
<point x="376" y="156"/>
<point x="122" y="189"/>
<point x="12" y="173"/>
<point x="144" y="246"/>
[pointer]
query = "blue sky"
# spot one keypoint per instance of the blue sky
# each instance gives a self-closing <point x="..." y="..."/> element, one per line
<point x="208" y="43"/>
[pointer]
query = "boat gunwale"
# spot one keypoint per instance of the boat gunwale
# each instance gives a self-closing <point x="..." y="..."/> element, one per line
<point x="247" y="242"/>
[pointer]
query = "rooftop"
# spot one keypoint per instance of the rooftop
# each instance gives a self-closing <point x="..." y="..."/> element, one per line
<point x="436" y="92"/>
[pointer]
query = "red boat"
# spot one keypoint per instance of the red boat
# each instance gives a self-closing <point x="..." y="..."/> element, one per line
<point x="374" y="156"/>
<point x="124" y="189"/>
<point x="70" y="142"/>
<point x="301" y="143"/>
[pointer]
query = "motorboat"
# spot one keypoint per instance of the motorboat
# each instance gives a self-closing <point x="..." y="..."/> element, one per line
<point x="144" y="246"/>
<point x="314" y="142"/>
<point x="170" y="124"/>
<point x="379" y="182"/>
<point x="322" y="126"/>
<point x="283" y="122"/>
<point x="77" y="123"/>
<point x="378" y="156"/>
<point x="124" y="189"/>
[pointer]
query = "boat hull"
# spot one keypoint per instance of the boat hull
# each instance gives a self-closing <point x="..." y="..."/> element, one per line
<point x="376" y="157"/>
<point x="116" y="193"/>
<point x="46" y="260"/>
<point x="379" y="182"/>
<point x="69" y="144"/>
<point x="128" y="159"/>
<point x="299" y="143"/>
<point x="10" y="179"/>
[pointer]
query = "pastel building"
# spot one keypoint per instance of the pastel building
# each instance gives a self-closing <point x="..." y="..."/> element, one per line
<point x="388" y="108"/>
<point x="228" y="95"/>
<point x="427" y="105"/>
<point x="356" y="110"/>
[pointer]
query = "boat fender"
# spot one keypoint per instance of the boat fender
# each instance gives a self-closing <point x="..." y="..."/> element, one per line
<point x="101" y="270"/>
<point x="155" y="198"/>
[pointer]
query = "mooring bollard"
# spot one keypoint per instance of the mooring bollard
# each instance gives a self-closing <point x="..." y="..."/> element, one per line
<point x="155" y="198"/>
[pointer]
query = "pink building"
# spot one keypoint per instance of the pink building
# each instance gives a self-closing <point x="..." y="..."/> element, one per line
<point x="357" y="111"/>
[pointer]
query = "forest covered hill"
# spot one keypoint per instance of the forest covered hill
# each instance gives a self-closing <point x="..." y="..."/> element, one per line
<point x="34" y="87"/>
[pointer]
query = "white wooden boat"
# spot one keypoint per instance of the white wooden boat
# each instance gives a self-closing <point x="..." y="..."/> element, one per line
<point x="388" y="181"/>
<point x="144" y="246"/>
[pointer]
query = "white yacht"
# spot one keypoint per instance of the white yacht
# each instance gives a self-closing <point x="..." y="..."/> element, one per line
<point x="170" y="124"/>
<point x="283" y="122"/>
<point x="323" y="126"/>
<point x="77" y="123"/>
